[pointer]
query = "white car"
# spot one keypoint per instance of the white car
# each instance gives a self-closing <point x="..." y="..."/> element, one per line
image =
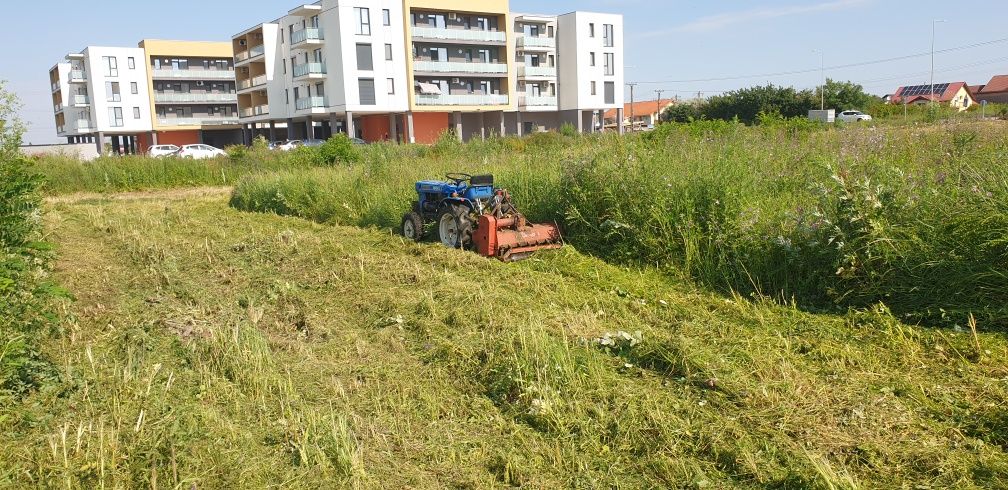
<point x="200" y="152"/>
<point x="162" y="151"/>
<point x="853" y="116"/>
<point x="289" y="145"/>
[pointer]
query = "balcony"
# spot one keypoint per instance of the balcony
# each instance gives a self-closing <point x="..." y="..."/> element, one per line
<point x="169" y="74"/>
<point x="541" y="42"/>
<point x="537" y="71"/>
<point x="55" y="86"/>
<point x="310" y="70"/>
<point x="459" y="67"/>
<point x="308" y="103"/>
<point x="57" y="108"/>
<point x="463" y="99"/>
<point x="79" y="101"/>
<point x="261" y="110"/>
<point x="60" y="129"/>
<point x="194" y="98"/>
<point x="250" y="54"/>
<point x="254" y="82"/>
<point x="197" y="121"/>
<point x="78" y="76"/>
<point x="310" y="35"/>
<point x="83" y="126"/>
<point x="537" y="101"/>
<point x="467" y="35"/>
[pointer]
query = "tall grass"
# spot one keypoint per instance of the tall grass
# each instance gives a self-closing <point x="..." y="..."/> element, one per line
<point x="912" y="217"/>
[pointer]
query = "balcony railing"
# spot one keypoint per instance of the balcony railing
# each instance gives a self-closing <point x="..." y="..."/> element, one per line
<point x="83" y="125"/>
<point x="307" y="103"/>
<point x="57" y="107"/>
<point x="55" y="86"/>
<point x="305" y="35"/>
<point x="459" y="67"/>
<point x="459" y="34"/>
<point x="194" y="97"/>
<point x="308" y="69"/>
<point x="60" y="129"/>
<point x="536" y="42"/>
<point x="538" y="101"/>
<point x="197" y="121"/>
<point x="254" y="82"/>
<point x="537" y="71"/>
<point x="252" y="53"/>
<point x="193" y="74"/>
<point x="78" y="76"/>
<point x="261" y="110"/>
<point x="462" y="99"/>
<point x="78" y="100"/>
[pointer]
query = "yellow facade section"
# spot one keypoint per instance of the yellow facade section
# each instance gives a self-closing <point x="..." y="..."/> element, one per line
<point x="493" y="8"/>
<point x="178" y="49"/>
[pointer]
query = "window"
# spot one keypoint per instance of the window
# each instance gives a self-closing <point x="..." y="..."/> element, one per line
<point x="115" y="117"/>
<point x="285" y="66"/>
<point x="610" y="64"/>
<point x="391" y="86"/>
<point x="610" y="92"/>
<point x="365" y="60"/>
<point x="363" y="21"/>
<point x="134" y="89"/>
<point x="591" y="59"/>
<point x="112" y="92"/>
<point x="136" y="113"/>
<point x="594" y="89"/>
<point x="113" y="66"/>
<point x="386" y="17"/>
<point x="131" y="62"/>
<point x="591" y="30"/>
<point x="608" y="35"/>
<point x="388" y="52"/>
<point x="367" y="91"/>
<point x="287" y="95"/>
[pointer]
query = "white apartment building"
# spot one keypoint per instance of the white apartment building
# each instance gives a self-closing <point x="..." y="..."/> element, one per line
<point x="102" y="92"/>
<point x="410" y="70"/>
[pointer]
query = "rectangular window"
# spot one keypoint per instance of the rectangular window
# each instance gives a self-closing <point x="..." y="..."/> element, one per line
<point x="287" y="95"/>
<point x="391" y="86"/>
<point x="131" y="62"/>
<point x="363" y="21"/>
<point x="594" y="89"/>
<point x="134" y="89"/>
<point x="591" y="30"/>
<point x="386" y="17"/>
<point x="112" y="92"/>
<point x="388" y="52"/>
<point x="610" y="64"/>
<point x="136" y="113"/>
<point x="115" y="117"/>
<point x="113" y="66"/>
<point x="591" y="59"/>
<point x="610" y="92"/>
<point x="608" y="35"/>
<point x="365" y="59"/>
<point x="285" y="66"/>
<point x="367" y="91"/>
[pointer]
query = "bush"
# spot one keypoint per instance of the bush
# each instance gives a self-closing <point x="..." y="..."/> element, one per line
<point x="237" y="153"/>
<point x="339" y="149"/>
<point x="681" y="113"/>
<point x="747" y="104"/>
<point x="568" y="130"/>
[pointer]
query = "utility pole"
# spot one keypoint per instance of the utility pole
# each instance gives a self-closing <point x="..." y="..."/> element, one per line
<point x="933" y="24"/>
<point x="659" y="91"/>
<point x="632" y="87"/>
<point x="822" y="68"/>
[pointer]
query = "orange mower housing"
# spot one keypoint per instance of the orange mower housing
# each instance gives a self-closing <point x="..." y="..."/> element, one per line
<point x="512" y="238"/>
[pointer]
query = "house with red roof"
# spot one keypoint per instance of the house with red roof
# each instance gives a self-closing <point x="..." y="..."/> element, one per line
<point x="645" y="114"/>
<point x="955" y="94"/>
<point x="995" y="92"/>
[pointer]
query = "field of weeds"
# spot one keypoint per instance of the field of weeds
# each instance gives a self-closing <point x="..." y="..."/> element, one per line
<point x="213" y="348"/>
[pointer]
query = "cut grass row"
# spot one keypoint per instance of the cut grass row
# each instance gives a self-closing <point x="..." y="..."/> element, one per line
<point x="215" y="348"/>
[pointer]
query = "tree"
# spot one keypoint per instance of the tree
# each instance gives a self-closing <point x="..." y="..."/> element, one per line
<point x="681" y="113"/>
<point x="842" y="96"/>
<point x="747" y="104"/>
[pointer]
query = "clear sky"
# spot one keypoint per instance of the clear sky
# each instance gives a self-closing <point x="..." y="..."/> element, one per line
<point x="681" y="46"/>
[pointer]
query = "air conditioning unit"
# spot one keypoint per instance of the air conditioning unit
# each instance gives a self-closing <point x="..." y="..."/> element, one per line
<point x="199" y="83"/>
<point x="241" y="42"/>
<point x="456" y="81"/>
<point x="452" y="16"/>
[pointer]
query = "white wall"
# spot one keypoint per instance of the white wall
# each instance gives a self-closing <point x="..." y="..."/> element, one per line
<point x="97" y="76"/>
<point x="574" y="45"/>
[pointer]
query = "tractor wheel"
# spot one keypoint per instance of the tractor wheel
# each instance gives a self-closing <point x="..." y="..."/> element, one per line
<point x="455" y="227"/>
<point x="412" y="226"/>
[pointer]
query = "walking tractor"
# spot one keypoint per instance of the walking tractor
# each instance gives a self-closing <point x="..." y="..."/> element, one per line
<point x="468" y="212"/>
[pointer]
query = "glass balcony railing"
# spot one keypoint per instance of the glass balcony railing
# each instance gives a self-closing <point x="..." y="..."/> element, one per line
<point x="459" y="67"/>
<point x="306" y="35"/>
<point x="473" y="35"/>
<point x="55" y="86"/>
<point x="83" y="125"/>
<point x="253" y="82"/>
<point x="261" y="110"/>
<point x="78" y="76"/>
<point x="538" y="101"/>
<point x="79" y="100"/>
<point x="306" y="103"/>
<point x="167" y="73"/>
<point x="308" y="69"/>
<point x="198" y="121"/>
<point x="536" y="42"/>
<point x="251" y="53"/>
<point x="461" y="99"/>
<point x="195" y="97"/>
<point x="537" y="71"/>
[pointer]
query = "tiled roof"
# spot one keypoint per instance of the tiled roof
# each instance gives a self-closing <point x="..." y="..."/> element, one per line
<point x="997" y="84"/>
<point x="946" y="96"/>
<point x="641" y="108"/>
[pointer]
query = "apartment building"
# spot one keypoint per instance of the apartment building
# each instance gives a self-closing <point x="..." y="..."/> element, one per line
<point x="409" y="70"/>
<point x="99" y="93"/>
<point x="193" y="95"/>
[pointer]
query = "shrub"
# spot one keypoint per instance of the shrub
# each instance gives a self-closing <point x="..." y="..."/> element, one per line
<point x="568" y="130"/>
<point x="681" y="113"/>
<point x="338" y="150"/>
<point x="237" y="153"/>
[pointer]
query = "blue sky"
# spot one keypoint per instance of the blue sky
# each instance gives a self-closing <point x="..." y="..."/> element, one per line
<point x="683" y="47"/>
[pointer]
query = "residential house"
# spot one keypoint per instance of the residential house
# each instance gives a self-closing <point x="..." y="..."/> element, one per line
<point x="639" y="115"/>
<point x="994" y="92"/>
<point x="955" y="94"/>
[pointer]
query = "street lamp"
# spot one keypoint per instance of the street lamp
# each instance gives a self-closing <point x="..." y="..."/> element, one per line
<point x="933" y="24"/>
<point x="822" y="68"/>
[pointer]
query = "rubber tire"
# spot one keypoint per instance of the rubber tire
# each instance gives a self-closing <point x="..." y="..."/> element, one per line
<point x="415" y="222"/>
<point x="463" y="223"/>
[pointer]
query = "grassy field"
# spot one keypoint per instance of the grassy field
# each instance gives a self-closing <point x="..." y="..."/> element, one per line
<point x="213" y="348"/>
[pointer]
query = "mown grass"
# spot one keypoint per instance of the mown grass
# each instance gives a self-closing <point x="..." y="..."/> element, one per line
<point x="216" y="348"/>
<point x="829" y="218"/>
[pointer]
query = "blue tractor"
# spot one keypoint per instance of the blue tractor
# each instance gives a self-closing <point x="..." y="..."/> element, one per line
<point x="468" y="212"/>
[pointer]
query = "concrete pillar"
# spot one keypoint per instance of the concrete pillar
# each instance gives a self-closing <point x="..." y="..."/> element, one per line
<point x="503" y="129"/>
<point x="351" y="127"/>
<point x="518" y="118"/>
<point x="100" y="143"/>
<point x="409" y="127"/>
<point x="333" y="122"/>
<point x="272" y="131"/>
<point x="580" y="121"/>
<point x="393" y="128"/>
<point x="291" y="134"/>
<point x="115" y="145"/>
<point x="309" y="129"/>
<point x="153" y="138"/>
<point x="619" y="120"/>
<point x="483" y="134"/>
<point x="457" y="120"/>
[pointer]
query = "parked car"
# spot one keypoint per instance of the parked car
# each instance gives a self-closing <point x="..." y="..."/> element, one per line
<point x="162" y="151"/>
<point x="200" y="152"/>
<point x="358" y="141"/>
<point x="288" y="145"/>
<point x="312" y="142"/>
<point x="853" y="116"/>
